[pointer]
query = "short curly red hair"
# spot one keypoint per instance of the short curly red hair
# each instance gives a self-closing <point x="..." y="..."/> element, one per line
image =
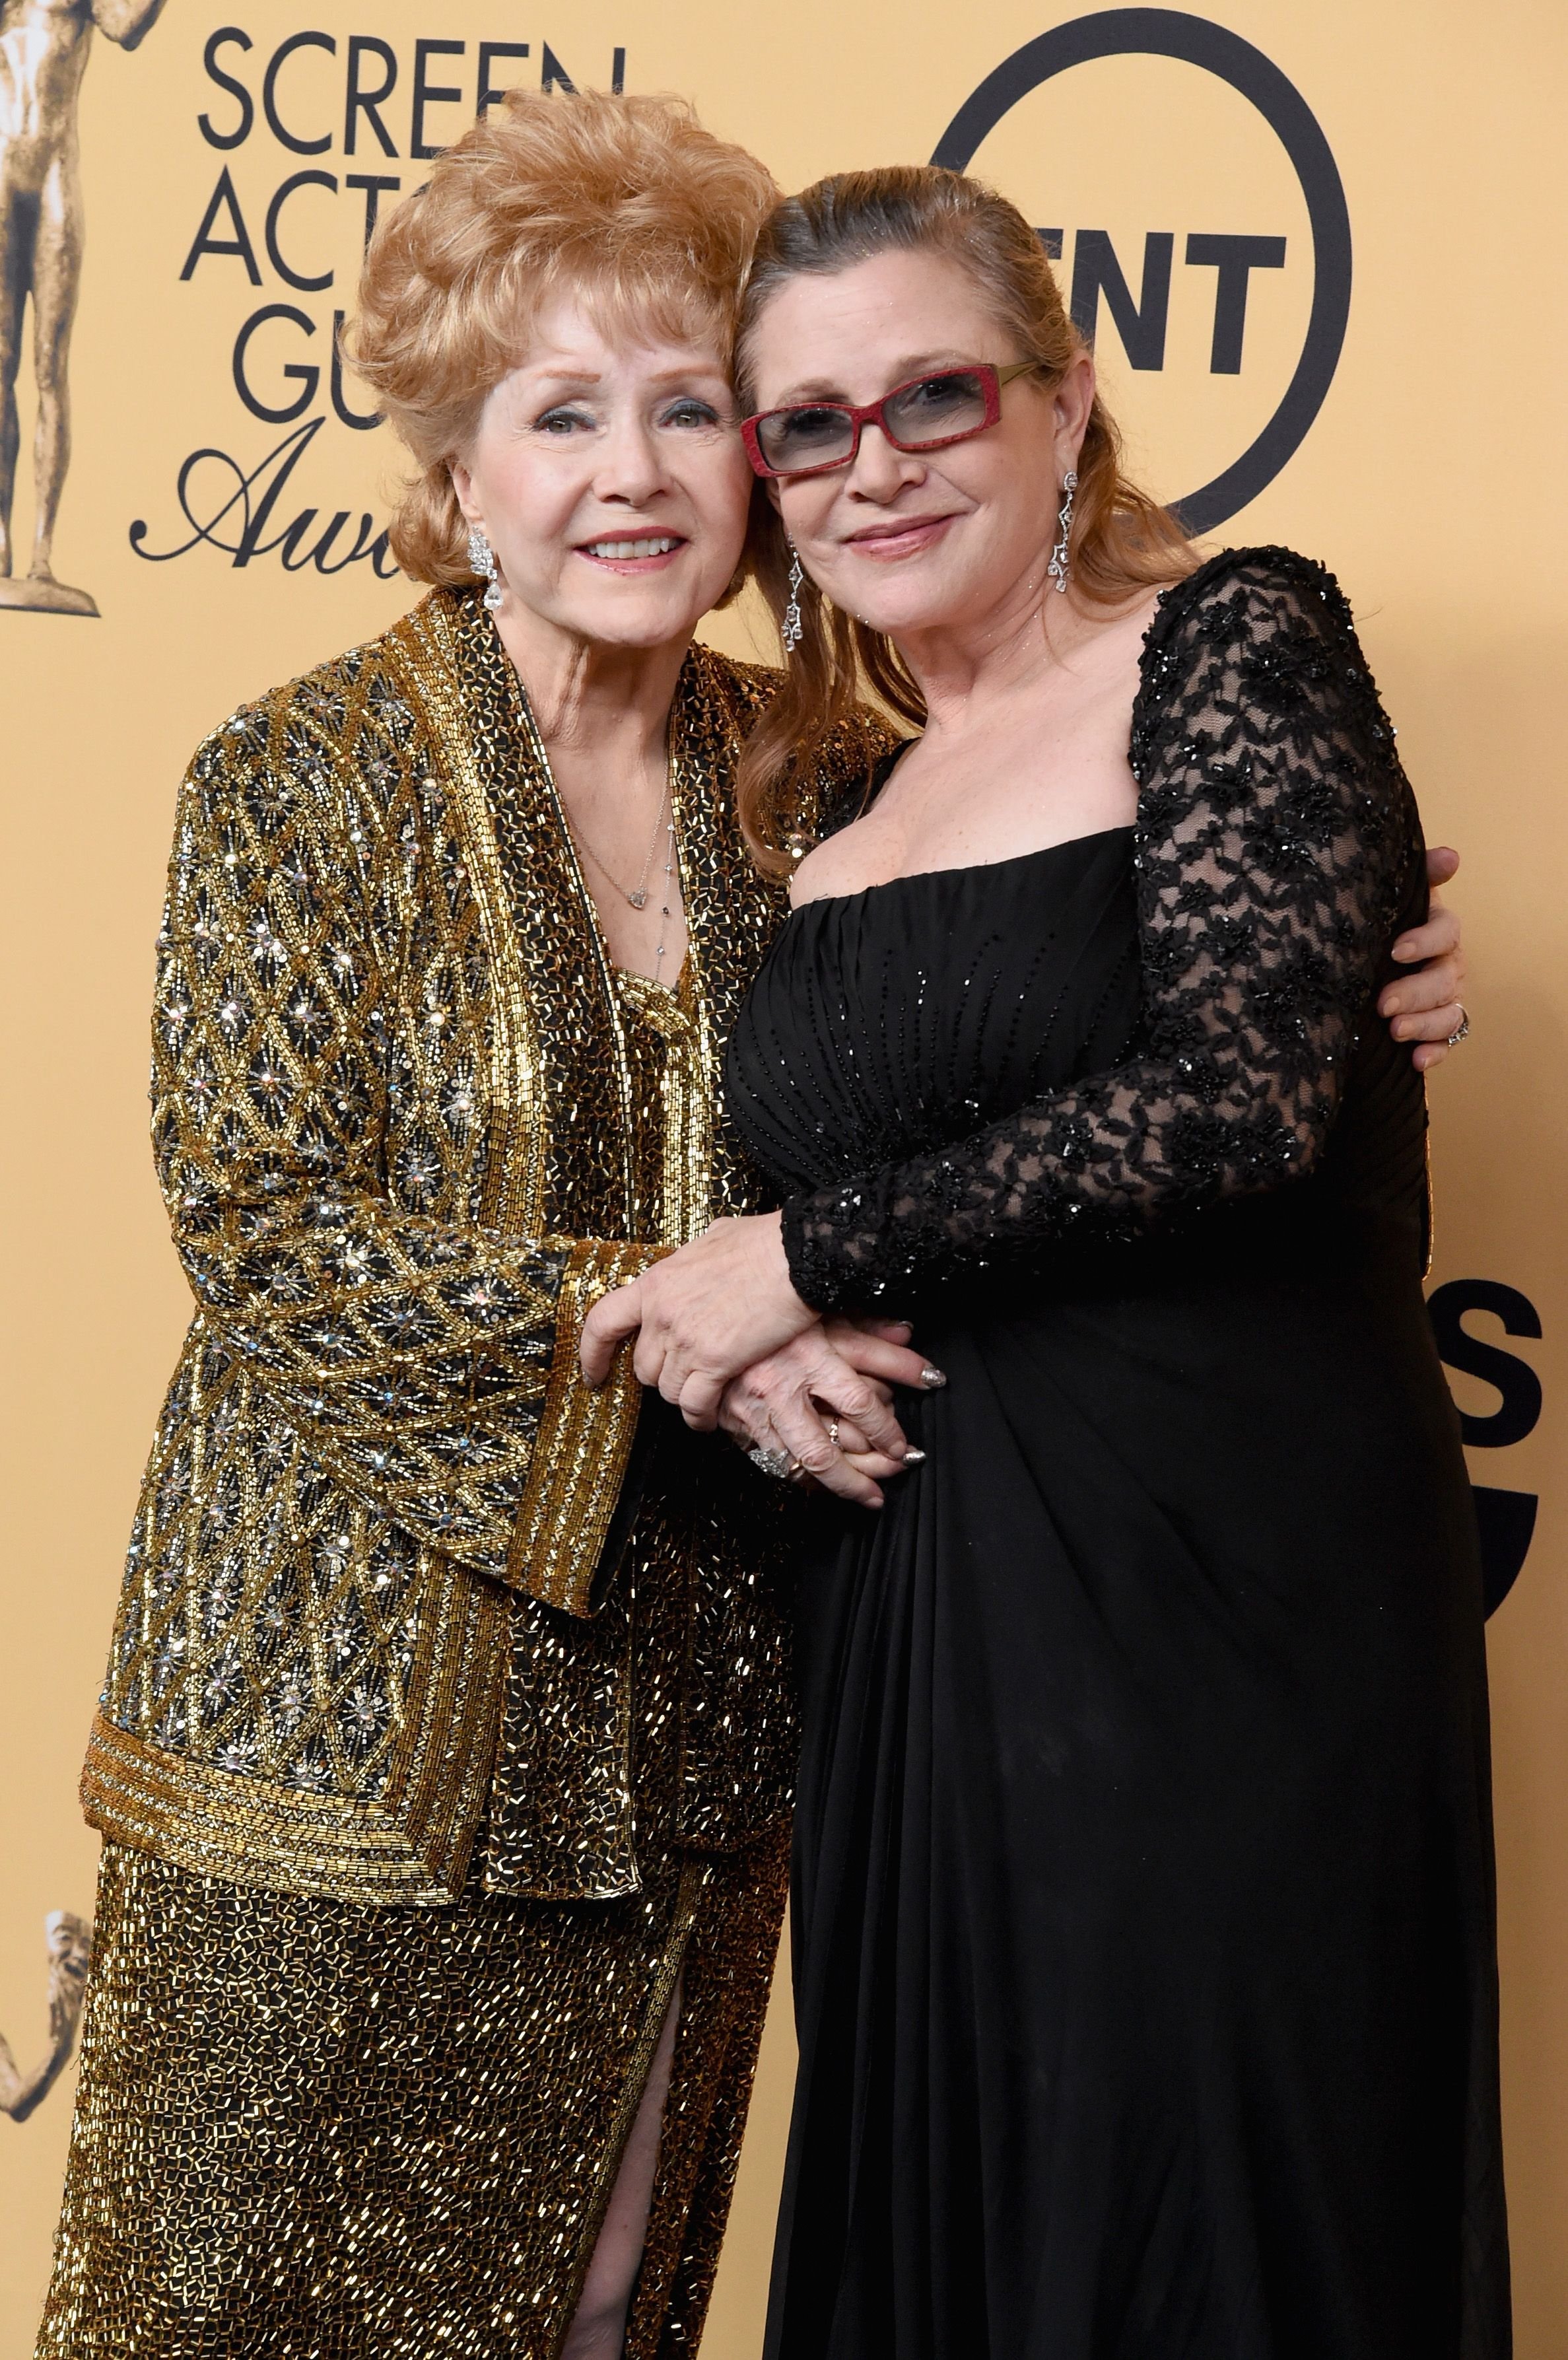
<point x="624" y="201"/>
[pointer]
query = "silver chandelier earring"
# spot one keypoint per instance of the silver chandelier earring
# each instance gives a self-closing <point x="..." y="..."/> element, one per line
<point x="482" y="558"/>
<point x="1057" y="569"/>
<point x="790" y="629"/>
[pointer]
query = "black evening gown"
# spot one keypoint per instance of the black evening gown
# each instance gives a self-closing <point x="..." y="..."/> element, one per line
<point x="1145" y="1956"/>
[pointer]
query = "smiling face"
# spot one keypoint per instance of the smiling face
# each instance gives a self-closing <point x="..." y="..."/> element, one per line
<point x="912" y="541"/>
<point x="611" y="482"/>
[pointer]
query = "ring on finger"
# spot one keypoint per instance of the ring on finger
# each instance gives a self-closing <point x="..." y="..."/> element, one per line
<point x="773" y="1461"/>
<point x="832" y="1432"/>
<point x="1462" y="1029"/>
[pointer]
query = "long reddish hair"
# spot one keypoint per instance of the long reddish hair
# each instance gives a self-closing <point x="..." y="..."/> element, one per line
<point x="1122" y="541"/>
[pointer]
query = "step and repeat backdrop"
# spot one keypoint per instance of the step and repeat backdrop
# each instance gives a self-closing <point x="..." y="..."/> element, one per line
<point x="1317" y="250"/>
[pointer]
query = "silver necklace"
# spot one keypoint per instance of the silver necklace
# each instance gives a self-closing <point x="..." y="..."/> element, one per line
<point x="636" y="894"/>
<point x="664" y="910"/>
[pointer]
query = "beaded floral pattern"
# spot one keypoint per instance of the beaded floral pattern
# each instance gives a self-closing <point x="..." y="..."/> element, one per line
<point x="1276" y="834"/>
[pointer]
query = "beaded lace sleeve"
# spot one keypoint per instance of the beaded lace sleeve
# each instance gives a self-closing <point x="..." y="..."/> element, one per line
<point x="1276" y="832"/>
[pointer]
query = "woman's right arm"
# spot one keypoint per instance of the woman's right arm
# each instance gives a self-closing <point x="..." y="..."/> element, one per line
<point x="431" y="1366"/>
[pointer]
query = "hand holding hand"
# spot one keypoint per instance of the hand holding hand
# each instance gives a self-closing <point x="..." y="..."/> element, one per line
<point x="1425" y="1007"/>
<point x="702" y="1316"/>
<point x="824" y="1401"/>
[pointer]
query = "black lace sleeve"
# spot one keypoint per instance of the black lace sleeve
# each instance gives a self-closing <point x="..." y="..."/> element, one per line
<point x="1276" y="832"/>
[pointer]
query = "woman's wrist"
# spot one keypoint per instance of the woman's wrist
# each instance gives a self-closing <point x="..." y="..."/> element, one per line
<point x="778" y="1251"/>
<point x="805" y="1232"/>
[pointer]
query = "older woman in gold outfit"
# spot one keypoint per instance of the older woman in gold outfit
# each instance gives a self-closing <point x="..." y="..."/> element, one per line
<point x="444" y="1755"/>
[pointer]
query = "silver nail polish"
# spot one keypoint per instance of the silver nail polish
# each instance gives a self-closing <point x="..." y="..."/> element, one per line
<point x="932" y="1379"/>
<point x="914" y="1458"/>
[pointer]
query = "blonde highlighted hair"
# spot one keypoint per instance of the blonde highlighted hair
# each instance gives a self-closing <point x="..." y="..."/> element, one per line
<point x="625" y="202"/>
<point x="1122" y="541"/>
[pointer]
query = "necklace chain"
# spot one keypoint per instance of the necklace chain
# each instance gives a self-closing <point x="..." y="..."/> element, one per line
<point x="637" y="895"/>
<point x="666" y="911"/>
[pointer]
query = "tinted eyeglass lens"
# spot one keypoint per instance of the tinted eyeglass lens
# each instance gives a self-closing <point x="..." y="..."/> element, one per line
<point x="805" y="437"/>
<point x="933" y="410"/>
<point x="936" y="408"/>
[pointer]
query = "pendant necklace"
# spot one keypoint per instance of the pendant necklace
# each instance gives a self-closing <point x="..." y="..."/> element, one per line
<point x="636" y="894"/>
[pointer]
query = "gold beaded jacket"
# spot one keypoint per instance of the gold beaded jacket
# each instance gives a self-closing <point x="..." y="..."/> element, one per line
<point x="410" y="1123"/>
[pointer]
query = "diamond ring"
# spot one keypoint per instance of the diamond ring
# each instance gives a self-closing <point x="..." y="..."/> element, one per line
<point x="1462" y="1031"/>
<point x="772" y="1462"/>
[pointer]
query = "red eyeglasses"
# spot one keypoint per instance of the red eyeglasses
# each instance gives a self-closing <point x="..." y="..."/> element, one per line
<point x="926" y="414"/>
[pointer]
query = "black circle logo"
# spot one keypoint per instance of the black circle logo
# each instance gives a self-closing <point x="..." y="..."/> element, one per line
<point x="1196" y="41"/>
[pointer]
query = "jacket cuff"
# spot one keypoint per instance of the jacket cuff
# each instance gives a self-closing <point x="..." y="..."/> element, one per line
<point x="583" y="1446"/>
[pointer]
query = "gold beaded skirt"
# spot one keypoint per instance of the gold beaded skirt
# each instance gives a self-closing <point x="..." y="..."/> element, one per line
<point x="308" y="2130"/>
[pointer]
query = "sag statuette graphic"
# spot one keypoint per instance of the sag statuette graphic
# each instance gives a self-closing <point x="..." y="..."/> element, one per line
<point x="69" y="1941"/>
<point x="43" y="54"/>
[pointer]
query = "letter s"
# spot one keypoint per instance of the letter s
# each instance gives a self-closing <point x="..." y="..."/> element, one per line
<point x="1518" y="1411"/>
<point x="226" y="81"/>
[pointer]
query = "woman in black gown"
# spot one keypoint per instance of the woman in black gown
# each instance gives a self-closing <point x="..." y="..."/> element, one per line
<point x="1144" y="1917"/>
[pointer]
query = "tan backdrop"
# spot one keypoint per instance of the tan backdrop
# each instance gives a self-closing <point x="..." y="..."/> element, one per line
<point x="1194" y="196"/>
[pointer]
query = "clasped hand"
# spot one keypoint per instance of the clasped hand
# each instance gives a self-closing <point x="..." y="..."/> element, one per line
<point x="721" y="1333"/>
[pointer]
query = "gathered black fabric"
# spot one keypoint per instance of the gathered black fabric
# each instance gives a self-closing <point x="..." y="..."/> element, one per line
<point x="1274" y="839"/>
<point x="1144" y="1940"/>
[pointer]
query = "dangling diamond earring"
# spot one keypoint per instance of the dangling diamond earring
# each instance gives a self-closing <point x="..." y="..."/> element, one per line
<point x="482" y="558"/>
<point x="790" y="629"/>
<point x="1057" y="569"/>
